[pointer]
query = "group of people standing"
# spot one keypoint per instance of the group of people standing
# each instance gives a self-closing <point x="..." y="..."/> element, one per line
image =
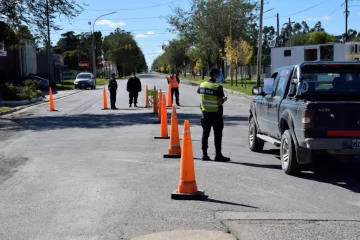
<point x="134" y="87"/>
<point x="212" y="99"/>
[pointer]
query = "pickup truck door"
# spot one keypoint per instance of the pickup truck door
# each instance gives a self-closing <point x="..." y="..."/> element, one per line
<point x="275" y="101"/>
<point x="262" y="108"/>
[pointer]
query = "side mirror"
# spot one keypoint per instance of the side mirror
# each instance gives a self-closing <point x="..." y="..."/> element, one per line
<point x="257" y="91"/>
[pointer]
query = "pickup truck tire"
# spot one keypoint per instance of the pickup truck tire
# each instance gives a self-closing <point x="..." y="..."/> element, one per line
<point x="289" y="162"/>
<point x="255" y="144"/>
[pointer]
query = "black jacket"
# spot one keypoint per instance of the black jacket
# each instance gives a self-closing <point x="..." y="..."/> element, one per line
<point x="113" y="86"/>
<point x="133" y="85"/>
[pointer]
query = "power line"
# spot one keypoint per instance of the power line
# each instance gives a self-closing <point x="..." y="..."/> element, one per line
<point x="128" y="9"/>
<point x="304" y="10"/>
<point x="116" y="19"/>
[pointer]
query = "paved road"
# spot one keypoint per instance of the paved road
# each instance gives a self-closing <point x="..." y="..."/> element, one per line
<point x="84" y="173"/>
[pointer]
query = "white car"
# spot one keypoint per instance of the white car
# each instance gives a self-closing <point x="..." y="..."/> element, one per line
<point x="85" y="80"/>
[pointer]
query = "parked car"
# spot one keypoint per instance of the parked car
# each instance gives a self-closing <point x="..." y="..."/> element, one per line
<point x="85" y="80"/>
<point x="308" y="110"/>
<point x="44" y="84"/>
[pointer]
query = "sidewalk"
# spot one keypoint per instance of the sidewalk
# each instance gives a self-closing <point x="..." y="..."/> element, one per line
<point x="56" y="95"/>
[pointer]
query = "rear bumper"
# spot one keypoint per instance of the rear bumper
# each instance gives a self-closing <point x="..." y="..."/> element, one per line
<point x="322" y="146"/>
<point x="329" y="143"/>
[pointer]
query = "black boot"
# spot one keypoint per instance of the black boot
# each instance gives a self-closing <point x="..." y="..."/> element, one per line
<point x="221" y="158"/>
<point x="206" y="157"/>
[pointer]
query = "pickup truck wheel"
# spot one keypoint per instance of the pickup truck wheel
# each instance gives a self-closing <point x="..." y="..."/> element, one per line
<point x="255" y="144"/>
<point x="288" y="155"/>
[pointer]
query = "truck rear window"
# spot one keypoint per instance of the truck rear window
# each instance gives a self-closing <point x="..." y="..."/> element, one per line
<point x="331" y="79"/>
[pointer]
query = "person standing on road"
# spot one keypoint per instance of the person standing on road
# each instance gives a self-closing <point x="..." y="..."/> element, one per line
<point x="212" y="100"/>
<point x="133" y="87"/>
<point x="174" y="82"/>
<point x="112" y="87"/>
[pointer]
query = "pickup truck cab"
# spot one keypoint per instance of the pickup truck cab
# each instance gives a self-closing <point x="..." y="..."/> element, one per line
<point x="310" y="110"/>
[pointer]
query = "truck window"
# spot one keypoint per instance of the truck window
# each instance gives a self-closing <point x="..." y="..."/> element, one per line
<point x="281" y="86"/>
<point x="330" y="79"/>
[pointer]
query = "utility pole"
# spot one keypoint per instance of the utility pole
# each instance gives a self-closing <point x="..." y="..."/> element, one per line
<point x="277" y="29"/>
<point x="50" y="60"/>
<point x="260" y="45"/>
<point x="346" y="19"/>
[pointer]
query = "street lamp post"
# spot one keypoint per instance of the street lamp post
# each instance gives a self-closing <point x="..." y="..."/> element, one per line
<point x="93" y="46"/>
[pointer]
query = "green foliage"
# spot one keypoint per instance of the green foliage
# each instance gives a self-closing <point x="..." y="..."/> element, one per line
<point x="127" y="59"/>
<point x="34" y="13"/>
<point x="30" y="90"/>
<point x="320" y="37"/>
<point x="8" y="91"/>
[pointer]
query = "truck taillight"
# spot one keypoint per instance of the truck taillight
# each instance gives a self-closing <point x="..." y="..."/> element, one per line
<point x="308" y="119"/>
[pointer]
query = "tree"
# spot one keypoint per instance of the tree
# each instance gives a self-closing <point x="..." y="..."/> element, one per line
<point x="305" y="27"/>
<point x="320" y="37"/>
<point x="8" y="37"/>
<point x="317" y="27"/>
<point x="268" y="35"/>
<point x="206" y="29"/>
<point x="35" y="13"/>
<point x="120" y="48"/>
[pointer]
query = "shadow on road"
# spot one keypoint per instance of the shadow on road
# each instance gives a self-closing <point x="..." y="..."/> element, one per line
<point x="345" y="178"/>
<point x="93" y="121"/>
<point x="270" y="166"/>
<point x="207" y="199"/>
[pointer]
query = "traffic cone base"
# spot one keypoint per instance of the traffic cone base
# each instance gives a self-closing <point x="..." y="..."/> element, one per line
<point x="172" y="155"/>
<point x="161" y="137"/>
<point x="199" y="195"/>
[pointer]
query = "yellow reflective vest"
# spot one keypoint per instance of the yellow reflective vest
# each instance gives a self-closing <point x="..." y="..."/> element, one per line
<point x="209" y="97"/>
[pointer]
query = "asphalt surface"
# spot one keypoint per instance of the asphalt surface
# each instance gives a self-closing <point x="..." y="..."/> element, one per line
<point x="85" y="173"/>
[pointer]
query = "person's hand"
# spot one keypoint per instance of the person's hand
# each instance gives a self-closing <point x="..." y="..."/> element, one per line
<point x="225" y="98"/>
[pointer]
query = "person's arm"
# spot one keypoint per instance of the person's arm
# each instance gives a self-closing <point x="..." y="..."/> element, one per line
<point x="128" y="85"/>
<point x="139" y="82"/>
<point x="198" y="91"/>
<point x="168" y="80"/>
<point x="221" y="95"/>
<point x="178" y="79"/>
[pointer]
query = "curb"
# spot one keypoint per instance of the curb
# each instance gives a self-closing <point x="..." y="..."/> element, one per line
<point x="16" y="109"/>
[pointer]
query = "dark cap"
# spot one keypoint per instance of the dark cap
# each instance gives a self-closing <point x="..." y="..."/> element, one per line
<point x="213" y="71"/>
<point x="172" y="72"/>
<point x="113" y="74"/>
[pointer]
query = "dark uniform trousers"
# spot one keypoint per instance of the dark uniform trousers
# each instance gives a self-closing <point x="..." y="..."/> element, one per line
<point x="133" y="97"/>
<point x="214" y="120"/>
<point x="112" y="98"/>
<point x="176" y="92"/>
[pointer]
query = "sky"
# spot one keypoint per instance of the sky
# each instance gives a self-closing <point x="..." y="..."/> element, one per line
<point x="146" y="19"/>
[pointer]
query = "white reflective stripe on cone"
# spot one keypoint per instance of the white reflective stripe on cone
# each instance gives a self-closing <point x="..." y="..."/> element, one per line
<point x="175" y="145"/>
<point x="186" y="131"/>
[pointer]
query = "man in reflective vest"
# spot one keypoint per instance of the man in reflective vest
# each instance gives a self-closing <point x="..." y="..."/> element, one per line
<point x="174" y="82"/>
<point x="212" y="100"/>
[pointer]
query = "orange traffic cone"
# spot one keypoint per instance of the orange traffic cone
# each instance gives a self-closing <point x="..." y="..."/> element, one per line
<point x="187" y="189"/>
<point x="174" y="150"/>
<point x="160" y="103"/>
<point x="169" y="102"/>
<point x="105" y="100"/>
<point x="164" y="123"/>
<point x="51" y="100"/>
<point x="155" y="102"/>
<point x="146" y="96"/>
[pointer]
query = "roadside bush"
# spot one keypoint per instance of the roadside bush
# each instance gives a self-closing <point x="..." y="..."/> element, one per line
<point x="8" y="92"/>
